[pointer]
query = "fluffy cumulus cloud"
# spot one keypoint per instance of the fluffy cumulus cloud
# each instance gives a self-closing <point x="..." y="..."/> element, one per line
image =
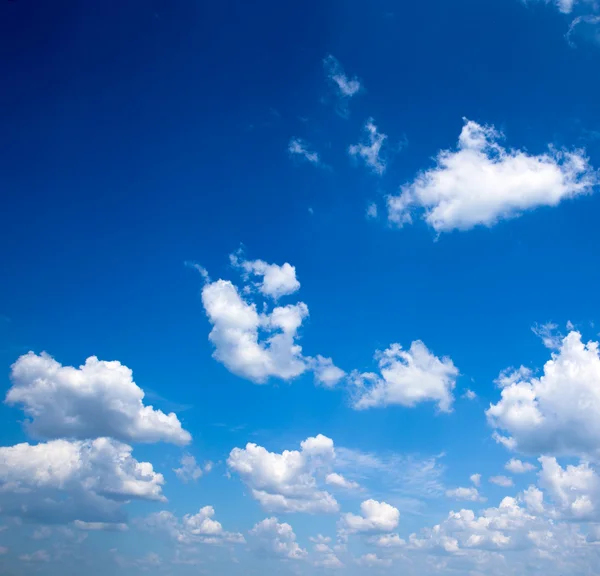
<point x="271" y="538"/>
<point x="192" y="528"/>
<point x="62" y="481"/>
<point x="298" y="148"/>
<point x="262" y="345"/>
<point x="408" y="377"/>
<point x="575" y="490"/>
<point x="370" y="150"/>
<point x="275" y="281"/>
<point x="345" y="87"/>
<point x="557" y="413"/>
<point x="481" y="182"/>
<point x="94" y="400"/>
<point x="371" y="560"/>
<point x="374" y="517"/>
<point x="503" y="481"/>
<point x="287" y="482"/>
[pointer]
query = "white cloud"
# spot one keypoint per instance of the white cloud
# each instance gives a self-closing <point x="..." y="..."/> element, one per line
<point x="574" y="489"/>
<point x="335" y="479"/>
<point x="408" y="377"/>
<point x="375" y="517"/>
<point x="286" y="482"/>
<point x="372" y="210"/>
<point x="101" y="526"/>
<point x="461" y="493"/>
<point x="503" y="481"/>
<point x="517" y="466"/>
<point x="549" y="335"/>
<point x="370" y="149"/>
<point x="345" y="87"/>
<point x="469" y="394"/>
<point x="558" y="413"/>
<point x="325" y="556"/>
<point x="327" y="374"/>
<point x="192" y="528"/>
<point x="298" y="147"/>
<point x="277" y="281"/>
<point x="482" y="182"/>
<point x="190" y="470"/>
<point x="389" y="541"/>
<point x="476" y="479"/>
<point x="63" y="481"/>
<point x="275" y="539"/>
<point x="235" y="334"/>
<point x="96" y="399"/>
<point x="37" y="556"/>
<point x="373" y="561"/>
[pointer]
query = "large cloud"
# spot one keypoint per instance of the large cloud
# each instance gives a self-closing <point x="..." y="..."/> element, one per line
<point x="557" y="413"/>
<point x="408" y="377"/>
<point x="481" y="182"/>
<point x="287" y="482"/>
<point x="94" y="400"/>
<point x="62" y="481"/>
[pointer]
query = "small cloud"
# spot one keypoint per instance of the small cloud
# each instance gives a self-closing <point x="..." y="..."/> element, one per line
<point x="370" y="149"/>
<point x="549" y="335"/>
<point x="518" y="467"/>
<point x="469" y="394"/>
<point x="299" y="148"/>
<point x="190" y="470"/>
<point x="476" y="479"/>
<point x="345" y="87"/>
<point x="203" y="272"/>
<point x="372" y="211"/>
<point x="503" y="481"/>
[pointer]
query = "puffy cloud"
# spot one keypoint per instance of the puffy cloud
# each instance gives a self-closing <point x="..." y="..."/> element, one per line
<point x="373" y="561"/>
<point x="335" y="479"/>
<point x="389" y="541"/>
<point x="189" y="469"/>
<point x="557" y="413"/>
<point x="94" y="400"/>
<point x="345" y="87"/>
<point x="298" y="147"/>
<point x="375" y="517"/>
<point x="469" y="394"/>
<point x="575" y="489"/>
<point x="63" y="481"/>
<point x="517" y="466"/>
<point x="503" y="481"/>
<point x="408" y="377"/>
<point x="476" y="479"/>
<point x="277" y="281"/>
<point x="481" y="182"/>
<point x="192" y="528"/>
<point x="471" y="494"/>
<point x="235" y="334"/>
<point x="286" y="482"/>
<point x="275" y="539"/>
<point x="327" y="374"/>
<point x="370" y="149"/>
<point x="325" y="556"/>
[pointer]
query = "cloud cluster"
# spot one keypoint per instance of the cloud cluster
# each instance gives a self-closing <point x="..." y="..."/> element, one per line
<point x="481" y="182"/>
<point x="97" y="399"/>
<point x="408" y="377"/>
<point x="287" y="482"/>
<point x="271" y="538"/>
<point x="62" y="481"/>
<point x="557" y="413"/>
<point x="262" y="345"/>
<point x="192" y="528"/>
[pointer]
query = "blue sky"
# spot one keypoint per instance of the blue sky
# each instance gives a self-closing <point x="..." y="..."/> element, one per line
<point x="300" y="288"/>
